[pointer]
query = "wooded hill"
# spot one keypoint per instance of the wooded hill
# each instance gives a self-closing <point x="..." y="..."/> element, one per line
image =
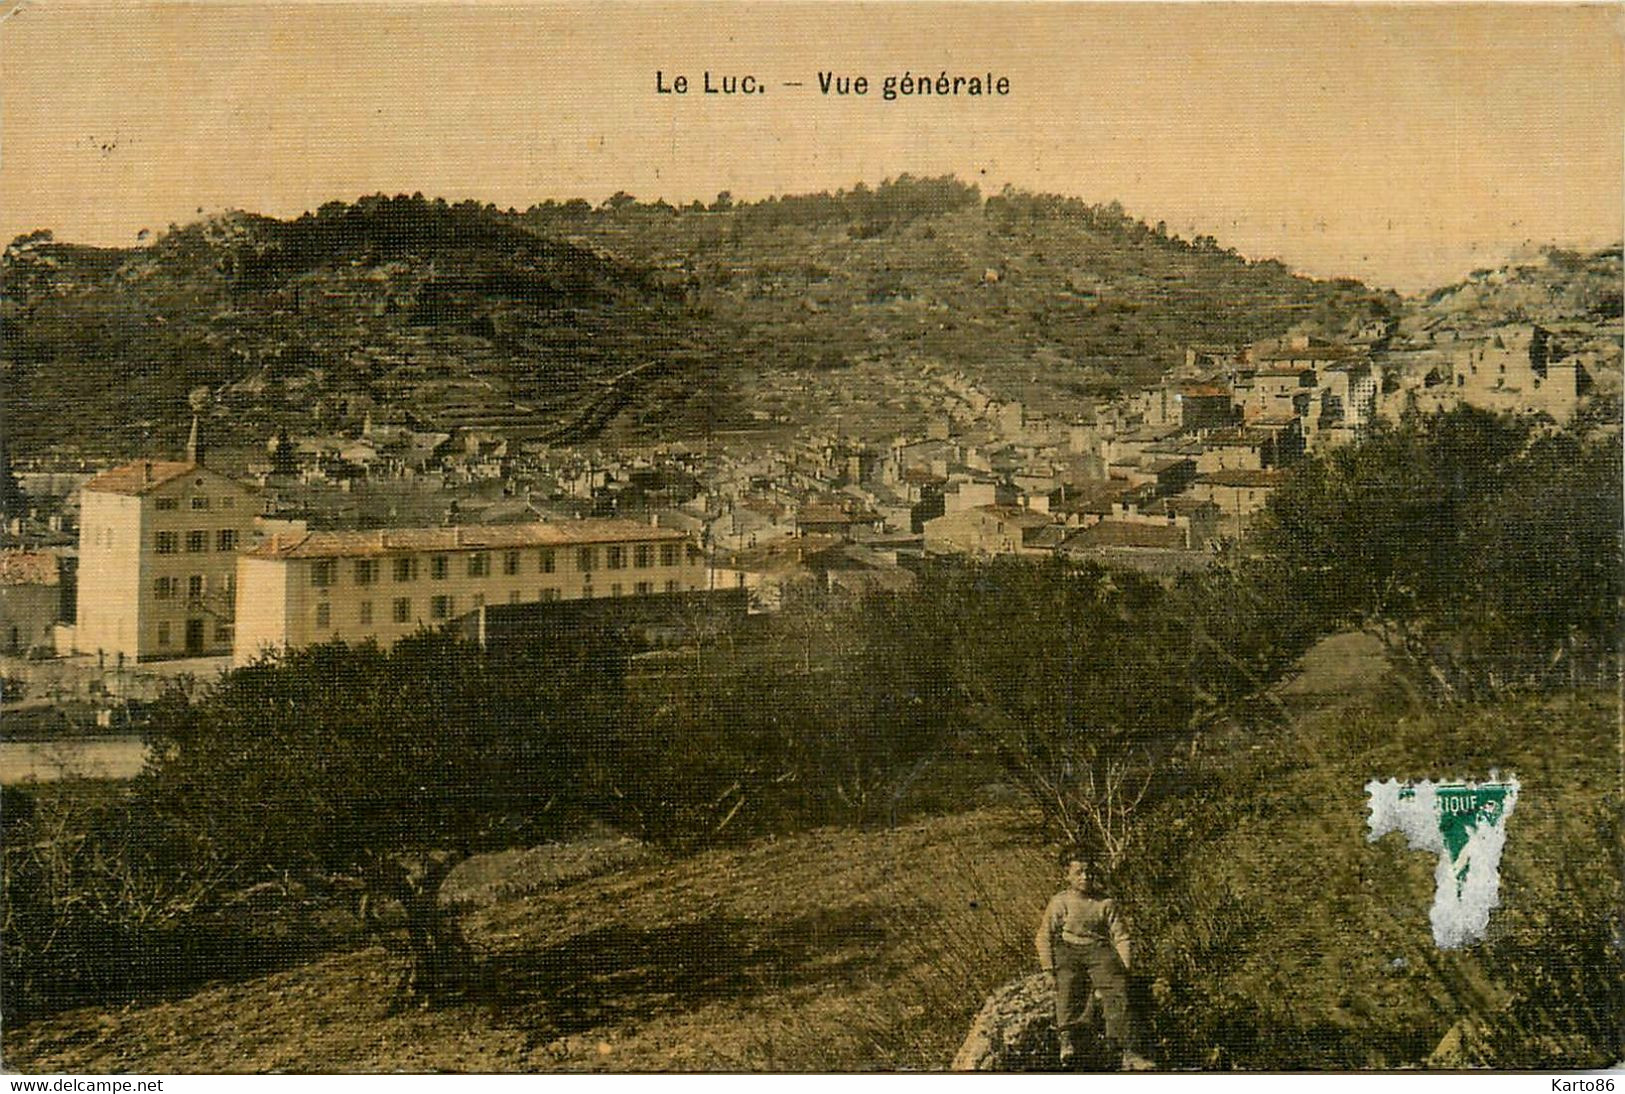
<point x="531" y="322"/>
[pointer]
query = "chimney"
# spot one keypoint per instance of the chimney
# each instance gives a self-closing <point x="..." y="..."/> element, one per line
<point x="194" y="444"/>
<point x="146" y="472"/>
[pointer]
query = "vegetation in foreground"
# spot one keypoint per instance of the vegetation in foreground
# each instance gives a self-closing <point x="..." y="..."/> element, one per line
<point x="1270" y="935"/>
<point x="1146" y="722"/>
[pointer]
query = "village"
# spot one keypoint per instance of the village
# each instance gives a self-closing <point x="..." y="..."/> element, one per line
<point x="115" y="579"/>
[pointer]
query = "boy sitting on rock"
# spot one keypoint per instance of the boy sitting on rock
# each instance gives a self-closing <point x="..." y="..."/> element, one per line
<point x="1084" y="944"/>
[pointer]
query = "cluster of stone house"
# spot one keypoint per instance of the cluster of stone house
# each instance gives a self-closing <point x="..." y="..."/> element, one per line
<point x="176" y="559"/>
<point x="1520" y="368"/>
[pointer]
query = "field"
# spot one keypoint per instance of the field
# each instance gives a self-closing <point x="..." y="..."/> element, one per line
<point x="830" y="950"/>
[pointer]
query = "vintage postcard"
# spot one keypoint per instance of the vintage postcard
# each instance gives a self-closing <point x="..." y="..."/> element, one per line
<point x="810" y="537"/>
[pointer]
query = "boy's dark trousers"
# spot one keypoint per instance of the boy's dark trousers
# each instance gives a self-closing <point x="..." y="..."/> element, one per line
<point x="1080" y="970"/>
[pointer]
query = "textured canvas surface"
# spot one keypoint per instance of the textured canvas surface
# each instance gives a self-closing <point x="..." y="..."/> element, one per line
<point x="674" y="537"/>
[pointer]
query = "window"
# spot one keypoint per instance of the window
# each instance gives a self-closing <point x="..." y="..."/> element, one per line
<point x="366" y="571"/>
<point x="513" y="597"/>
<point x="644" y="588"/>
<point x="548" y="562"/>
<point x="164" y="543"/>
<point x="406" y="569"/>
<point x="643" y="556"/>
<point x="587" y="559"/>
<point x="510" y="563"/>
<point x="439" y="566"/>
<point x="363" y="612"/>
<point x="196" y="542"/>
<point x="200" y="501"/>
<point x="229" y="584"/>
<point x="615" y="590"/>
<point x="321" y="573"/>
<point x="671" y="586"/>
<point x="616" y="558"/>
<point x="440" y="607"/>
<point x="403" y="609"/>
<point x="324" y="615"/>
<point x="222" y="633"/>
<point x="479" y="601"/>
<point x="548" y="594"/>
<point x="163" y="634"/>
<point x="165" y="505"/>
<point x="194" y="586"/>
<point x="668" y="554"/>
<point x="228" y="502"/>
<point x="163" y="588"/>
<point x="479" y="564"/>
<point x="225" y="539"/>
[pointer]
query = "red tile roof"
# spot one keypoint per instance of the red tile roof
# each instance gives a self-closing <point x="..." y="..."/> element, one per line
<point x="383" y="541"/>
<point x="139" y="477"/>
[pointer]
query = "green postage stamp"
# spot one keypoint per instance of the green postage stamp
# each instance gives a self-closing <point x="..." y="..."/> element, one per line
<point x="1466" y="824"/>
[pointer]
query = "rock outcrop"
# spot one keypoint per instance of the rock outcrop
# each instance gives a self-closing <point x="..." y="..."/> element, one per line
<point x="1015" y="1031"/>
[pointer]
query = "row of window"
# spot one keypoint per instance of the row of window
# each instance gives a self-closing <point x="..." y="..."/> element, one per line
<point x="168" y="588"/>
<point x="222" y="634"/>
<point x="442" y="608"/>
<point x="199" y="501"/>
<point x="197" y="541"/>
<point x="367" y="571"/>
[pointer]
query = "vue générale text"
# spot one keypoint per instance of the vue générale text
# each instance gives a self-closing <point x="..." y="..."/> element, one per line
<point x="905" y="84"/>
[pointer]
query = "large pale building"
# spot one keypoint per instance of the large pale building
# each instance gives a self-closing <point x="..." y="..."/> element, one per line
<point x="1520" y="368"/>
<point x="299" y="589"/>
<point x="158" y="543"/>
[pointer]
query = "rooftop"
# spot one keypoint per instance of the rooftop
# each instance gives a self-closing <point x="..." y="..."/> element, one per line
<point x="1242" y="478"/>
<point x="139" y="477"/>
<point x="1123" y="533"/>
<point x="1015" y="514"/>
<point x="825" y="513"/>
<point x="28" y="568"/>
<point x="383" y="541"/>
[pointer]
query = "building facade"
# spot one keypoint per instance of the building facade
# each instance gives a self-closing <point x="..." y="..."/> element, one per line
<point x="985" y="530"/>
<point x="30" y="601"/>
<point x="158" y="544"/>
<point x="1521" y="368"/>
<point x="300" y="589"/>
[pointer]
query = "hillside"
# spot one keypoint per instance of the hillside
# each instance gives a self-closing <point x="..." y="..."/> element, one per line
<point x="831" y="950"/>
<point x="1560" y="286"/>
<point x="1038" y="297"/>
<point x="1576" y="296"/>
<point x="448" y="316"/>
<point x="533" y="323"/>
<point x="1270" y="933"/>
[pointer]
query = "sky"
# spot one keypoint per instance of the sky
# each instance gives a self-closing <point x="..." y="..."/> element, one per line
<point x="1404" y="145"/>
